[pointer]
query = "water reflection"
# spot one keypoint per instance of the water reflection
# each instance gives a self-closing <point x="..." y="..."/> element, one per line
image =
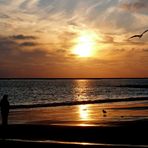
<point x="81" y="89"/>
<point x="84" y="112"/>
<point x="94" y="113"/>
<point x="81" y="94"/>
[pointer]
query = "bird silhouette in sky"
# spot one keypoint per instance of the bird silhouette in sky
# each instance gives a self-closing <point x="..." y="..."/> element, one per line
<point x="139" y="35"/>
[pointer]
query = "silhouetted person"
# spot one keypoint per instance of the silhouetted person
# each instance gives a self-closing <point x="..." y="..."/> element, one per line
<point x="4" y="104"/>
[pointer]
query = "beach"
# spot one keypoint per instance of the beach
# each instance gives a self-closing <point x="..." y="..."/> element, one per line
<point x="123" y="125"/>
<point x="74" y="73"/>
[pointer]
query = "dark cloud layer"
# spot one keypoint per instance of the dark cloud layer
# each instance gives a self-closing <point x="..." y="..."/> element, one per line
<point x="17" y="61"/>
<point x="7" y="45"/>
<point x="4" y="16"/>
<point x="23" y="37"/>
<point x="29" y="44"/>
<point x="14" y="61"/>
<point x="11" y="47"/>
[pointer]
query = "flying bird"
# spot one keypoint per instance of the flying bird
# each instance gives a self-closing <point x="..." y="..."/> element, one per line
<point x="139" y="35"/>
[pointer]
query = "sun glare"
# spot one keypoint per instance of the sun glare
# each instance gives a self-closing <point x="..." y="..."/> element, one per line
<point x="85" y="45"/>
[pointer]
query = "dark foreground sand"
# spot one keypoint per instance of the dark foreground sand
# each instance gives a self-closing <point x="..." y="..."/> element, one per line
<point x="123" y="134"/>
<point x="124" y="125"/>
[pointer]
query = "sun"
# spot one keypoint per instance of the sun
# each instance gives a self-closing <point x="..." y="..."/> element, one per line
<point x="85" y="44"/>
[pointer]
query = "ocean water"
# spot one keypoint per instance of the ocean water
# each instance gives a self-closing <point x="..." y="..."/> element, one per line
<point x="46" y="91"/>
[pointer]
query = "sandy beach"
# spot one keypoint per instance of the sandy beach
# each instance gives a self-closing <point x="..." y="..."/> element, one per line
<point x="123" y="125"/>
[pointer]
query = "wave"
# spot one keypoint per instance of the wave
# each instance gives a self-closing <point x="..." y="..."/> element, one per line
<point x="79" y="102"/>
<point x="133" y="86"/>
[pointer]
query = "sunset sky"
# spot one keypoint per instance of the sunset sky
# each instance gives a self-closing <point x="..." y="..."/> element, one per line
<point x="73" y="38"/>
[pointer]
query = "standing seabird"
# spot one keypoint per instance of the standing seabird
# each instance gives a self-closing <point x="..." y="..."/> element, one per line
<point x="104" y="111"/>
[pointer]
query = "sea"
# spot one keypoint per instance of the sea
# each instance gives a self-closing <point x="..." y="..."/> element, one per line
<point x="53" y="91"/>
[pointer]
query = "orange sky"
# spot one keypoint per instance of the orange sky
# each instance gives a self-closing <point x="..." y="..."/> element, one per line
<point x="73" y="38"/>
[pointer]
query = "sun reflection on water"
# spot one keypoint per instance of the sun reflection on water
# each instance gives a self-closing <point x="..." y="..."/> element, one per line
<point x="81" y="94"/>
<point x="81" y="89"/>
<point x="83" y="112"/>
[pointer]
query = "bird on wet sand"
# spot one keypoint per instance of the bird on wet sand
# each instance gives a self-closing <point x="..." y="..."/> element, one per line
<point x="104" y="111"/>
<point x="139" y="35"/>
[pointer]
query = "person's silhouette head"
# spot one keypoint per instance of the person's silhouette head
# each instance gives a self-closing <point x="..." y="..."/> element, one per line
<point x="5" y="97"/>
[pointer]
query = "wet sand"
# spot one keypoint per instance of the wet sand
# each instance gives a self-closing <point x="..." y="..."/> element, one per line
<point x="86" y="113"/>
<point x="123" y="125"/>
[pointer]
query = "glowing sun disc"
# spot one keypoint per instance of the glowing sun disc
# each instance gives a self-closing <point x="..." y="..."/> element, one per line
<point x="83" y="50"/>
<point x="84" y="46"/>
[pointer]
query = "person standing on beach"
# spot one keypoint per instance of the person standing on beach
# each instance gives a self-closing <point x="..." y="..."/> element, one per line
<point x="4" y="104"/>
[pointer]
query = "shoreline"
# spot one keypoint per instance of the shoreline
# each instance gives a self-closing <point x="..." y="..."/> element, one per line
<point x="81" y="113"/>
<point x="79" y="103"/>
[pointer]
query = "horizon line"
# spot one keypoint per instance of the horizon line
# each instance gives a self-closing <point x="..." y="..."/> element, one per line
<point x="74" y="78"/>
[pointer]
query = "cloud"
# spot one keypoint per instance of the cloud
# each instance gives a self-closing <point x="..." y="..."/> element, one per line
<point x="107" y="39"/>
<point x="60" y="51"/>
<point x="20" y="53"/>
<point x="145" y="50"/>
<point x="22" y="64"/>
<point x="7" y="45"/>
<point x="23" y="37"/>
<point x="28" y="4"/>
<point x="28" y="44"/>
<point x="42" y="33"/>
<point x="135" y="6"/>
<point x="10" y="46"/>
<point x="4" y="16"/>
<point x="93" y="6"/>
